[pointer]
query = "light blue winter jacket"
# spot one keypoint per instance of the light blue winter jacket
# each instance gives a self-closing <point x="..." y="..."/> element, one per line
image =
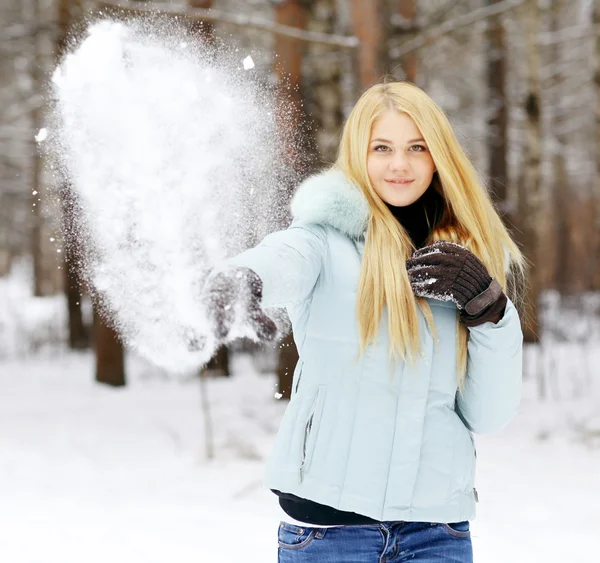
<point x="352" y="437"/>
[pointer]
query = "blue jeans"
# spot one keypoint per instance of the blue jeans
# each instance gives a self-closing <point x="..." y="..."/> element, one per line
<point x="421" y="542"/>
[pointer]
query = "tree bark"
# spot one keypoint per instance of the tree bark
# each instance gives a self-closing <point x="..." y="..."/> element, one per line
<point x="529" y="204"/>
<point x="110" y="358"/>
<point x="368" y="27"/>
<point x="498" y="120"/>
<point x="219" y="363"/>
<point x="289" y="54"/>
<point x="558" y="276"/>
<point x="409" y="62"/>
<point x="36" y="180"/>
<point x="203" y="29"/>
<point x="595" y="262"/>
<point x="79" y="334"/>
<point x="109" y="353"/>
<point x="574" y="221"/>
<point x="322" y="83"/>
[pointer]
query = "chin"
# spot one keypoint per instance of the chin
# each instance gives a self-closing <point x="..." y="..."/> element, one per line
<point x="401" y="200"/>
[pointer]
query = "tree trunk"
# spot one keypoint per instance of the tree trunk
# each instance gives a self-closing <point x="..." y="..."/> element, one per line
<point x="289" y="55"/>
<point x="553" y="174"/>
<point x="79" y="334"/>
<point x="36" y="180"/>
<point x="595" y="261"/>
<point x="409" y="62"/>
<point x="205" y="30"/>
<point x="498" y="120"/>
<point x="367" y="18"/>
<point x="530" y="181"/>
<point x="559" y="177"/>
<point x="579" y="196"/>
<point x="219" y="363"/>
<point x="574" y="232"/>
<point x="322" y="81"/>
<point x="110" y="358"/>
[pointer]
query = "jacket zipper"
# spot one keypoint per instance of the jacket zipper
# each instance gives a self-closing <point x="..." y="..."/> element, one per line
<point x="298" y="380"/>
<point x="307" y="429"/>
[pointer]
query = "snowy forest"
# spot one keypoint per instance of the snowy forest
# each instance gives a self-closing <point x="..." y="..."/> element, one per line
<point x="110" y="450"/>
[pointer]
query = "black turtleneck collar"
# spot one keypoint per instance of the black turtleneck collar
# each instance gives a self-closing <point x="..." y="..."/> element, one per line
<point x="414" y="217"/>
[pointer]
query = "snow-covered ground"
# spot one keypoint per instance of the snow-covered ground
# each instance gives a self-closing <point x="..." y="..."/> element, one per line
<point x="94" y="474"/>
<point x="89" y="473"/>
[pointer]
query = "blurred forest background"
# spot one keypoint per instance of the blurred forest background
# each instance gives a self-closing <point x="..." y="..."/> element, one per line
<point x="519" y="79"/>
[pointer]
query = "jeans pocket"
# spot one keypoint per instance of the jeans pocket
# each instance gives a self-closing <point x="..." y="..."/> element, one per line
<point x="291" y="536"/>
<point x="458" y="529"/>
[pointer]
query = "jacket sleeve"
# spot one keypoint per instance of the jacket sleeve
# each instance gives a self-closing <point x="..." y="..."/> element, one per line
<point x="492" y="391"/>
<point x="288" y="263"/>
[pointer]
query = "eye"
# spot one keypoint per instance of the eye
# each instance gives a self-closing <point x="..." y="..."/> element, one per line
<point x="420" y="148"/>
<point x="381" y="147"/>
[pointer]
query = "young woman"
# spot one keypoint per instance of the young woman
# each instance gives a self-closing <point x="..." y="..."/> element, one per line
<point x="394" y="274"/>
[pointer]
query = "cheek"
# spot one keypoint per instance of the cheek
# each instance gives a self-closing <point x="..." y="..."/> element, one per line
<point x="374" y="169"/>
<point x="428" y="167"/>
<point x="370" y="167"/>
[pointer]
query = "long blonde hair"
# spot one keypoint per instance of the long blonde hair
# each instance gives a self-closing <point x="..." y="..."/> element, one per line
<point x="469" y="218"/>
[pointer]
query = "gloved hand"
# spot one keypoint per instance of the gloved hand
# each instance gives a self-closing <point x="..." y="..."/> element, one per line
<point x="449" y="272"/>
<point x="229" y="289"/>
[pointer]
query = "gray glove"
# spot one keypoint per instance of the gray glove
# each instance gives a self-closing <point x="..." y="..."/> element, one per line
<point x="222" y="294"/>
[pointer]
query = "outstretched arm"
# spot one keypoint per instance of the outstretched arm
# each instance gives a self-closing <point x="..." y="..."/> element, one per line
<point x="287" y="262"/>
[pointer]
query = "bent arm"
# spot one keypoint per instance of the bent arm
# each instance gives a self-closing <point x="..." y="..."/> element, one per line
<point x="492" y="391"/>
<point x="288" y="263"/>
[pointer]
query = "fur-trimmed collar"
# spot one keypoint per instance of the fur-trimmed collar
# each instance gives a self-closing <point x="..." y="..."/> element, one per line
<point x="330" y="198"/>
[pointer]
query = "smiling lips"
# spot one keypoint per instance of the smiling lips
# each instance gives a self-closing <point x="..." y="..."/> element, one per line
<point x="399" y="181"/>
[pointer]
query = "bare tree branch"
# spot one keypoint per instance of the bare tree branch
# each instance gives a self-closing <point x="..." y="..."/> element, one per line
<point x="240" y="20"/>
<point x="453" y="25"/>
<point x="440" y="15"/>
<point x="576" y="32"/>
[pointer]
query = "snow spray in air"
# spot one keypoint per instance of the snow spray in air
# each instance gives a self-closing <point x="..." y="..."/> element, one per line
<point x="174" y="157"/>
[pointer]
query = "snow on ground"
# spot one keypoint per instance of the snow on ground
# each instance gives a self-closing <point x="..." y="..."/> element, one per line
<point x="88" y="472"/>
<point x="28" y="324"/>
<point x="98" y="474"/>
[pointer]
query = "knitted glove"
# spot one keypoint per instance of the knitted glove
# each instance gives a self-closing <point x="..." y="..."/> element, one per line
<point x="449" y="272"/>
<point x="228" y="290"/>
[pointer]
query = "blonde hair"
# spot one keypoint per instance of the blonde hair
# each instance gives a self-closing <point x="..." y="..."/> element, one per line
<point x="469" y="218"/>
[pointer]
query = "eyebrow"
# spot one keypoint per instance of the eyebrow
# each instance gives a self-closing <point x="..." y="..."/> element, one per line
<point x="390" y="142"/>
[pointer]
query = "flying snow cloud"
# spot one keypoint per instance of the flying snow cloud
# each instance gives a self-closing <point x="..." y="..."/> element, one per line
<point x="174" y="160"/>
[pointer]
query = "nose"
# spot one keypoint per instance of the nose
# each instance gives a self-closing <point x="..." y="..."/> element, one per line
<point x="399" y="162"/>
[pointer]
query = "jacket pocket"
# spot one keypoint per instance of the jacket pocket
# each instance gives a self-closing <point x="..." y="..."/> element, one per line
<point x="473" y="458"/>
<point x="297" y="376"/>
<point x="310" y="431"/>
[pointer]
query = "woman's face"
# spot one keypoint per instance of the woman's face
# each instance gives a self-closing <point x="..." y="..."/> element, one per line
<point x="399" y="164"/>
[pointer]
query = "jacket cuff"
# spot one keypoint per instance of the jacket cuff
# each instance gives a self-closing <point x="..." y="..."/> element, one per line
<point x="482" y="301"/>
<point x="493" y="313"/>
